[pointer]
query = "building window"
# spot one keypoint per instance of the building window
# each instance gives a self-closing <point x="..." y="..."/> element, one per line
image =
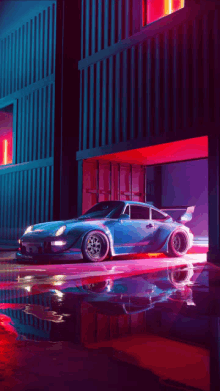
<point x="6" y="135"/>
<point x="156" y="9"/>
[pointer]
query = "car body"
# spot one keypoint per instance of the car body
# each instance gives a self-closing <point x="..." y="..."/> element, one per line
<point x="109" y="228"/>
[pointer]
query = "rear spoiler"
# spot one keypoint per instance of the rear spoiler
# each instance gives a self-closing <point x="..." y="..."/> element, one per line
<point x="182" y="214"/>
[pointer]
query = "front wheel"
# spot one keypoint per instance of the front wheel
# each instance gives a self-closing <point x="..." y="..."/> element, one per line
<point x="178" y="244"/>
<point x="95" y="247"/>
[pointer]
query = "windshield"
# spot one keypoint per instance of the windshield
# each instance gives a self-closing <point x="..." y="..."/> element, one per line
<point x="112" y="209"/>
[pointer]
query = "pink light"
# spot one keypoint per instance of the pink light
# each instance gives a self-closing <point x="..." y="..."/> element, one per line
<point x="156" y="9"/>
<point x="5" y="144"/>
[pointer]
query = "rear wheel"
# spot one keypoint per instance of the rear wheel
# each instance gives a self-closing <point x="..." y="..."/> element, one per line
<point x="178" y="244"/>
<point x="95" y="247"/>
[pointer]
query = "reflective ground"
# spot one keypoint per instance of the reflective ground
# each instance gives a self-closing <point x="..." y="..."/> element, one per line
<point x="147" y="322"/>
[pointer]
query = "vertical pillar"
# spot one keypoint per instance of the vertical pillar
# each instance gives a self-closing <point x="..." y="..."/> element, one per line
<point x="67" y="109"/>
<point x="214" y="198"/>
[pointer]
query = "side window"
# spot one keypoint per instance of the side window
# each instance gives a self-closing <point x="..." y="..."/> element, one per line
<point x="126" y="212"/>
<point x="157" y="215"/>
<point x="139" y="212"/>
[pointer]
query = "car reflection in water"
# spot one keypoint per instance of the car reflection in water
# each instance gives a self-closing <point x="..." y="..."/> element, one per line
<point x="140" y="293"/>
<point x="38" y="305"/>
<point x="138" y="317"/>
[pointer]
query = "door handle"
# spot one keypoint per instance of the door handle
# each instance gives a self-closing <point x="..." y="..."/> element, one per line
<point x="150" y="225"/>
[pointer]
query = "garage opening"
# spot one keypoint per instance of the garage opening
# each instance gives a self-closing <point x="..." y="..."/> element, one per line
<point x="166" y="175"/>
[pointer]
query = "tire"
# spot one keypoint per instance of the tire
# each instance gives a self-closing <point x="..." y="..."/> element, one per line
<point x="95" y="247"/>
<point x="178" y="243"/>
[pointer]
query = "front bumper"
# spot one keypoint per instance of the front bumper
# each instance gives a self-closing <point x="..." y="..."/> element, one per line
<point x="65" y="256"/>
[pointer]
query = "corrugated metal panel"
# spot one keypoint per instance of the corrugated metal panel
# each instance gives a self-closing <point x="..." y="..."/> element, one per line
<point x="158" y="87"/>
<point x="35" y="127"/>
<point x="25" y="198"/>
<point x="107" y="22"/>
<point x="28" y="53"/>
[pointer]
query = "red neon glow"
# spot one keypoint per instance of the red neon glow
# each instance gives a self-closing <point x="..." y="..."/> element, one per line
<point x="5" y="146"/>
<point x="6" y="123"/>
<point x="156" y="9"/>
<point x="194" y="148"/>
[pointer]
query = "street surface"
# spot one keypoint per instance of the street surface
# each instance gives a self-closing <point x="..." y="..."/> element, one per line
<point x="51" y="314"/>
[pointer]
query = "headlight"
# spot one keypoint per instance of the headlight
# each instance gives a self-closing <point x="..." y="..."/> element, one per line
<point x="29" y="229"/>
<point x="60" y="231"/>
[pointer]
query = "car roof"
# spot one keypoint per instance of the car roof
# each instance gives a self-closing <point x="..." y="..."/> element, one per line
<point x="140" y="203"/>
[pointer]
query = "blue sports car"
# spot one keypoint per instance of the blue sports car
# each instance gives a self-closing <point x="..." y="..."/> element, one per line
<point x="108" y="229"/>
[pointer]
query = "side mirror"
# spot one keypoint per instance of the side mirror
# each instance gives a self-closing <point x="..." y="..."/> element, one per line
<point x="124" y="217"/>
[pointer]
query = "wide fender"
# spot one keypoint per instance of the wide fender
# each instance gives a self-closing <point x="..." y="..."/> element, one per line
<point x="81" y="232"/>
<point x="165" y="244"/>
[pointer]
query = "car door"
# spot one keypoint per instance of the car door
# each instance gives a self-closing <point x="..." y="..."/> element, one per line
<point x="133" y="235"/>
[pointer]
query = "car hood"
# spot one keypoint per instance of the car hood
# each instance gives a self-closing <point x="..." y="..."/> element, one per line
<point x="50" y="228"/>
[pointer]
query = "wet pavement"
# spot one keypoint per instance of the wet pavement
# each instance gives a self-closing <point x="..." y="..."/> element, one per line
<point x="148" y="322"/>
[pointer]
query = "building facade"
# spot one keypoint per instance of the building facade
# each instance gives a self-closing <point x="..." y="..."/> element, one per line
<point x="149" y="95"/>
<point x="93" y="93"/>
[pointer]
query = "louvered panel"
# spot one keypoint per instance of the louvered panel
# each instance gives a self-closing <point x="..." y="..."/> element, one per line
<point x="20" y="135"/>
<point x="52" y="119"/>
<point x="22" y="60"/>
<point x="98" y="90"/>
<point x="31" y="126"/>
<point x="100" y="30"/>
<point x="132" y="92"/>
<point x="82" y="28"/>
<point x="40" y="115"/>
<point x="85" y="109"/>
<point x="27" y="134"/>
<point x="119" y="19"/>
<point x="20" y="204"/>
<point x="44" y="122"/>
<point x="29" y="51"/>
<point x="9" y="63"/>
<point x="140" y="90"/>
<point x="106" y="23"/>
<point x="110" y="101"/>
<point x="26" y="200"/>
<point x="12" y="62"/>
<point x="81" y="110"/>
<point x="93" y="27"/>
<point x="41" y="46"/>
<point x="42" y="195"/>
<point x="104" y="103"/>
<point x="35" y="121"/>
<point x="49" y="118"/>
<point x="124" y="95"/>
<point x="47" y="195"/>
<point x="91" y="107"/>
<point x="112" y="22"/>
<point x="38" y="195"/>
<point x="87" y="27"/>
<point x="117" y="97"/>
<point x="26" y="54"/>
<point x="51" y="182"/>
<point x="45" y="61"/>
<point x="33" y="199"/>
<point x="13" y="208"/>
<point x="29" y="197"/>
